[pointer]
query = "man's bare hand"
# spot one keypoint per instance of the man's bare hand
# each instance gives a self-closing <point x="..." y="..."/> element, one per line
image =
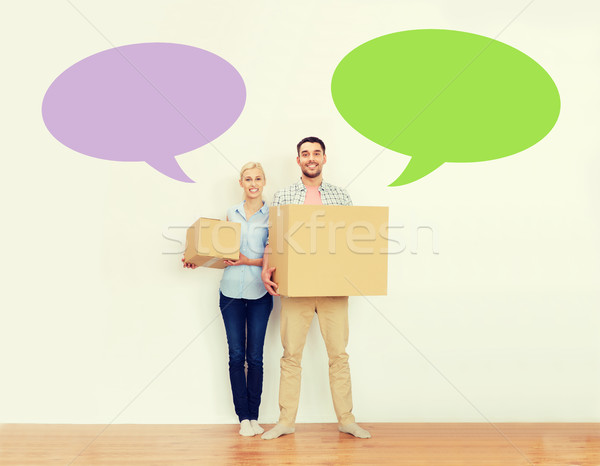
<point x="270" y="285"/>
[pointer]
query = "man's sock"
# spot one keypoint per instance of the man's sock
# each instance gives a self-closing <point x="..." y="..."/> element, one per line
<point x="246" y="428"/>
<point x="277" y="431"/>
<point x="256" y="427"/>
<point x="354" y="429"/>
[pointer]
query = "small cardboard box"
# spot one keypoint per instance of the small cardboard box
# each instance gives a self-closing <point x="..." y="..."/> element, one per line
<point x="209" y="241"/>
<point x="329" y="250"/>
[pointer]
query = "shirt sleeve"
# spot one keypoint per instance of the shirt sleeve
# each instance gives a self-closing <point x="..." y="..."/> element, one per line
<point x="276" y="200"/>
<point x="266" y="241"/>
<point x="347" y="199"/>
<point x="229" y="214"/>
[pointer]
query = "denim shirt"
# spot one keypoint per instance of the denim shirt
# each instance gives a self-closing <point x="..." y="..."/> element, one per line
<point x="244" y="281"/>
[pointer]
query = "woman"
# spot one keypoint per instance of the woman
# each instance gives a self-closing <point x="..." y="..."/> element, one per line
<point x="244" y="301"/>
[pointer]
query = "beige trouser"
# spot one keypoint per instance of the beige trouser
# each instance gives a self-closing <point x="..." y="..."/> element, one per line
<point x="296" y="316"/>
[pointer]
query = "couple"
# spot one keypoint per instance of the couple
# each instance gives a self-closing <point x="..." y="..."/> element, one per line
<point x="246" y="300"/>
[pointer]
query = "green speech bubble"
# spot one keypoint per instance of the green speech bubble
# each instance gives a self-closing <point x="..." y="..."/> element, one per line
<point x="444" y="96"/>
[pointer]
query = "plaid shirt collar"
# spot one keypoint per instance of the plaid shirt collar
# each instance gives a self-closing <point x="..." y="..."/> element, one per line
<point x="296" y="194"/>
<point x="322" y="187"/>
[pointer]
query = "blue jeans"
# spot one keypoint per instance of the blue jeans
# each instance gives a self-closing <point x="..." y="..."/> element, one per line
<point x="246" y="324"/>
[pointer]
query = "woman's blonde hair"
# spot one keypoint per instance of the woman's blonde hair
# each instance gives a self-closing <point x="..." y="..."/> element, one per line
<point x="250" y="166"/>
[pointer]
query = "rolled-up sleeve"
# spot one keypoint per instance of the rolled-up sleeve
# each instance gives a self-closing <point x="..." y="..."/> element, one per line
<point x="276" y="200"/>
<point x="347" y="199"/>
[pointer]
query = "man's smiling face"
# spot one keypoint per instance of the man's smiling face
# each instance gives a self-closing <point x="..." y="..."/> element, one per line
<point x="311" y="159"/>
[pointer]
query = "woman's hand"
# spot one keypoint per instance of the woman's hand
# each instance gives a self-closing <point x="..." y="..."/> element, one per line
<point x="187" y="265"/>
<point x="243" y="260"/>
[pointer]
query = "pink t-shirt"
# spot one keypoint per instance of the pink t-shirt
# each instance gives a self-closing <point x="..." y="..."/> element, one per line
<point x="313" y="196"/>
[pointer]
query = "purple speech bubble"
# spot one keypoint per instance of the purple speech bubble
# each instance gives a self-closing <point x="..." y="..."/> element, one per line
<point x="144" y="102"/>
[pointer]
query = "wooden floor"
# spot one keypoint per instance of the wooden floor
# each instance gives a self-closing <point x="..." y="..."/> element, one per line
<point x="397" y="444"/>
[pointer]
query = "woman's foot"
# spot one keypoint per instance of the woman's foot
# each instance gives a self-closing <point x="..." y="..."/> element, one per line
<point x="246" y="429"/>
<point x="256" y="427"/>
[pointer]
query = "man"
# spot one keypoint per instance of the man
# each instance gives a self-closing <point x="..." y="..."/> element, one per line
<point x="297" y="313"/>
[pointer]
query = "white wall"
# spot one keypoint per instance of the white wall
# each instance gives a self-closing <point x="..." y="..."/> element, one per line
<point x="495" y="319"/>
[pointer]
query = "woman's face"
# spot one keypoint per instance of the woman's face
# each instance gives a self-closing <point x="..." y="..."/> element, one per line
<point x="253" y="182"/>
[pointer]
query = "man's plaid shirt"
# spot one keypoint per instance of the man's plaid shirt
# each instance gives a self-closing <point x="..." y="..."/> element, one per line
<point x="296" y="193"/>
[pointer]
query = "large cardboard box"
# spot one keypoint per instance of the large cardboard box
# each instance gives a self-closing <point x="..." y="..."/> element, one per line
<point x="329" y="250"/>
<point x="209" y="241"/>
